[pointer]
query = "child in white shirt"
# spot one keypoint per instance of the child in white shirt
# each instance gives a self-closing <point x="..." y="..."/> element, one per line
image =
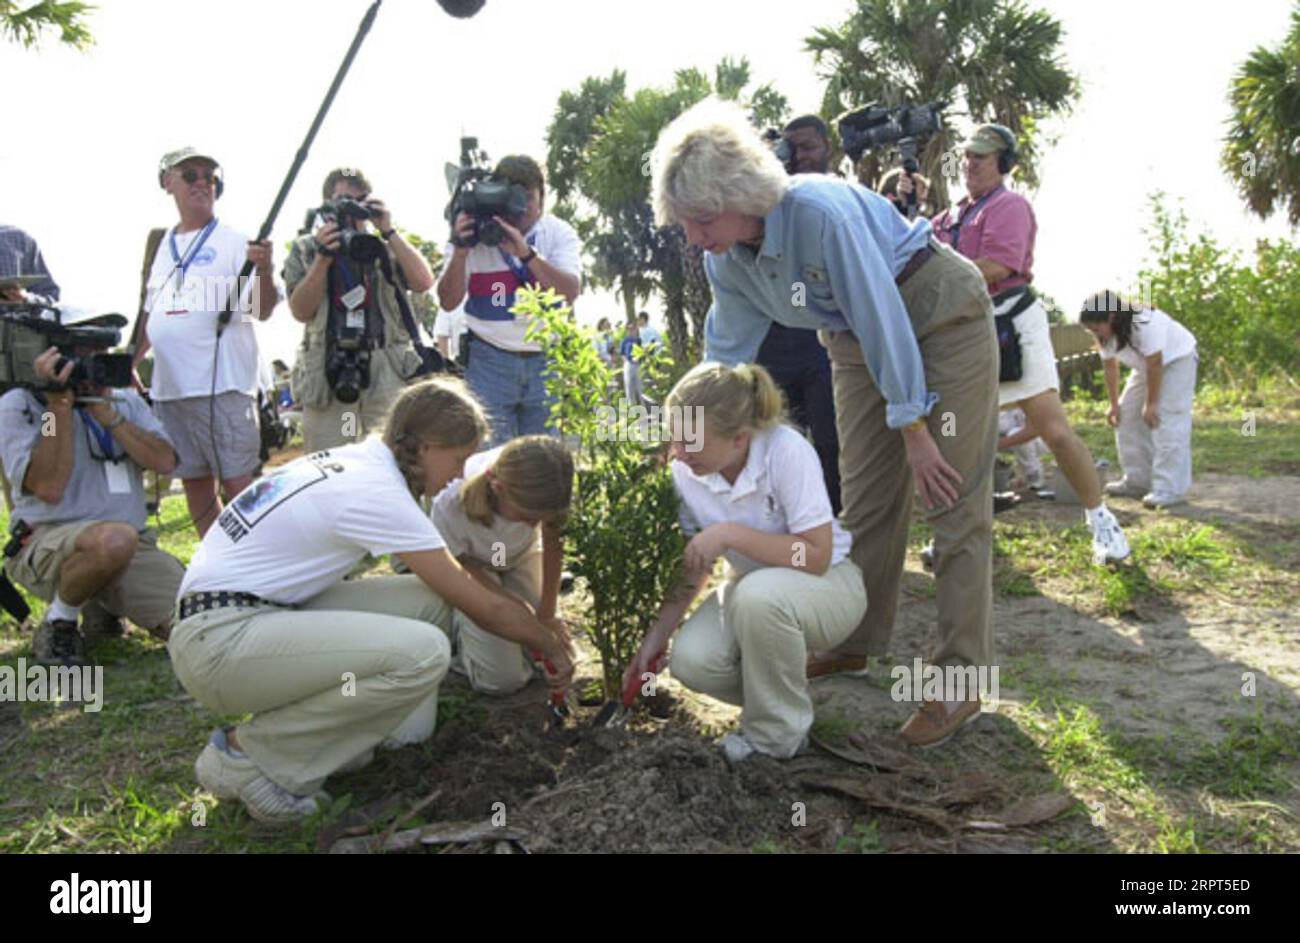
<point x="501" y="523"/>
<point x="1153" y="416"/>
<point x="752" y="490"/>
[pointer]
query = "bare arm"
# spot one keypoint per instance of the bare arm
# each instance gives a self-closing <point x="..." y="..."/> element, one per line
<point x="552" y="569"/>
<point x="413" y="265"/>
<point x="809" y="551"/>
<point x="992" y="271"/>
<point x="146" y="449"/>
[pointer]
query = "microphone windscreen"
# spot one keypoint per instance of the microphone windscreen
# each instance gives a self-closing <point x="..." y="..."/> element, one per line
<point x="461" y="8"/>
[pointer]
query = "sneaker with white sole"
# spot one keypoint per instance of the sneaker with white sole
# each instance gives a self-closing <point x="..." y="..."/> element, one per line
<point x="1122" y="489"/>
<point x="228" y="776"/>
<point x="736" y="747"/>
<point x="1157" y="501"/>
<point x="1109" y="545"/>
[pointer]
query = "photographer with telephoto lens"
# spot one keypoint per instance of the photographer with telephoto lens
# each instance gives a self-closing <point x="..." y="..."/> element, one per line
<point x="350" y="288"/>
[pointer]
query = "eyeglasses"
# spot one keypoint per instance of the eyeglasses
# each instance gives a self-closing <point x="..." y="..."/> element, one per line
<point x="190" y="175"/>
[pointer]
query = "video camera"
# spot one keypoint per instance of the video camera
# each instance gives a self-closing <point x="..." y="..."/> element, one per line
<point x="476" y="193"/>
<point x="781" y="147"/>
<point x="345" y="213"/>
<point x="875" y="126"/>
<point x="25" y="335"/>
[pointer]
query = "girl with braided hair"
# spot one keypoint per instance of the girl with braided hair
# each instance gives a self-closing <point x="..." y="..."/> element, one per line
<point x="331" y="669"/>
<point x="752" y="490"/>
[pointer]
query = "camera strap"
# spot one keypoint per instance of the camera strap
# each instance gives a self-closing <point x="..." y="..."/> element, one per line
<point x="431" y="361"/>
<point x="102" y="435"/>
<point x="520" y="270"/>
<point x="355" y="301"/>
<point x="955" y="229"/>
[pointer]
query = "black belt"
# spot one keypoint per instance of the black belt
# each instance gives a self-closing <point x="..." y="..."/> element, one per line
<point x="194" y="603"/>
<point x="919" y="258"/>
<point x="514" y="353"/>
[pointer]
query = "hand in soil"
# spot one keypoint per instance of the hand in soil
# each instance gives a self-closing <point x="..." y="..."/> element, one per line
<point x="559" y="670"/>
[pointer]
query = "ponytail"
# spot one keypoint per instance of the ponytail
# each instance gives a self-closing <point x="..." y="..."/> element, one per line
<point x="731" y="399"/>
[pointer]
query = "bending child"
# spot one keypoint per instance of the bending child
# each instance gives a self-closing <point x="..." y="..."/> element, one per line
<point x="329" y="669"/>
<point x="501" y="522"/>
<point x="752" y="490"/>
<point x="1152" y="418"/>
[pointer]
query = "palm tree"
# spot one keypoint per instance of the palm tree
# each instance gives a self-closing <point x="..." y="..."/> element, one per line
<point x="994" y="60"/>
<point x="1261" y="152"/>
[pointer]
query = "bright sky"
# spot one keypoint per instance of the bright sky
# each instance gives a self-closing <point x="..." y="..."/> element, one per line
<point x="243" y="78"/>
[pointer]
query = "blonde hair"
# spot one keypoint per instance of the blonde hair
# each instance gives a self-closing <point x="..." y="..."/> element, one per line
<point x="731" y="399"/>
<point x="711" y="160"/>
<point x="440" y="412"/>
<point x="536" y="475"/>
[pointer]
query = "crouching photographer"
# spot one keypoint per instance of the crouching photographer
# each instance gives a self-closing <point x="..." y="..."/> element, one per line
<point x="75" y="450"/>
<point x="349" y="286"/>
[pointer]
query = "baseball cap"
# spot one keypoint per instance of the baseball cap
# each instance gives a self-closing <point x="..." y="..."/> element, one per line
<point x="172" y="158"/>
<point x="985" y="140"/>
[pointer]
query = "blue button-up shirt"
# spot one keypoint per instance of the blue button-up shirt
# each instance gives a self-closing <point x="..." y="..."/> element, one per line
<point x="831" y="250"/>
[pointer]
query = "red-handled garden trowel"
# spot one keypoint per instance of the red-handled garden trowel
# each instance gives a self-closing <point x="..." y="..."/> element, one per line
<point x="616" y="713"/>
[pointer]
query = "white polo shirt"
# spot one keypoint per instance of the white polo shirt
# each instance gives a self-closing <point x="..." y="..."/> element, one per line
<point x="500" y="546"/>
<point x="1153" y="331"/>
<point x="492" y="276"/>
<point x="299" y="530"/>
<point x="780" y="491"/>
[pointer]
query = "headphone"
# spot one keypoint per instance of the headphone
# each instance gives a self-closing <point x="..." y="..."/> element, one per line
<point x="1008" y="156"/>
<point x="216" y="176"/>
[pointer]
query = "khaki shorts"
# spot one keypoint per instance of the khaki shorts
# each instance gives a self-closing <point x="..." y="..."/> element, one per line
<point x="237" y="436"/>
<point x="145" y="593"/>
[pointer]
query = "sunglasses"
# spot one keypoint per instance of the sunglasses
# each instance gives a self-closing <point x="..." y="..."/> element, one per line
<point x="190" y="175"/>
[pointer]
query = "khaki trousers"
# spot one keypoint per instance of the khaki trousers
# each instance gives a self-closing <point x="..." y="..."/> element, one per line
<point x="952" y="317"/>
<point x="747" y="644"/>
<point x="355" y="665"/>
<point x="495" y="665"/>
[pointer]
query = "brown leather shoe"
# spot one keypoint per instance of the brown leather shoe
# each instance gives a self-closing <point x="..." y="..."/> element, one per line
<point x="932" y="725"/>
<point x="829" y="663"/>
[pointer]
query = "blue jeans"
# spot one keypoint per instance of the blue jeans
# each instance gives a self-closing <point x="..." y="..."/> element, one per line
<point x="512" y="387"/>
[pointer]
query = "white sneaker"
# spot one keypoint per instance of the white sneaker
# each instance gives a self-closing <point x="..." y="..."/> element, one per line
<point x="1157" y="501"/>
<point x="1108" y="541"/>
<point x="736" y="747"/>
<point x="227" y="776"/>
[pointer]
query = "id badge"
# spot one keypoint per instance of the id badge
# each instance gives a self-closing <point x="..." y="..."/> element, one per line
<point x="118" y="476"/>
<point x="356" y="319"/>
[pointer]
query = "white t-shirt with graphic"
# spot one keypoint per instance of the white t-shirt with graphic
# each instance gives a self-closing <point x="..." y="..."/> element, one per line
<point x="500" y="546"/>
<point x="301" y="529"/>
<point x="182" y="324"/>
<point x="1153" y="331"/>
<point x="780" y="490"/>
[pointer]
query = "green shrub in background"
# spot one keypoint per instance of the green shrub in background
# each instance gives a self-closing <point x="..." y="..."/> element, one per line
<point x="622" y="534"/>
<point x="1243" y="316"/>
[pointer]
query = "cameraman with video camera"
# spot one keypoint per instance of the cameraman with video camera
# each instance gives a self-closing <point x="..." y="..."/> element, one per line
<point x="74" y="451"/>
<point x="995" y="228"/>
<point x="491" y="255"/>
<point x="351" y="288"/>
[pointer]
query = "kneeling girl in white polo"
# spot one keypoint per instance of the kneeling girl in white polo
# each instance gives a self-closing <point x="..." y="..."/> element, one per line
<point x="752" y="490"/>
<point x="501" y="522"/>
<point x="331" y="669"/>
<point x="1153" y="416"/>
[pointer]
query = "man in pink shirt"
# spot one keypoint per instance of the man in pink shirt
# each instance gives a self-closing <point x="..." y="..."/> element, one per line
<point x="995" y="228"/>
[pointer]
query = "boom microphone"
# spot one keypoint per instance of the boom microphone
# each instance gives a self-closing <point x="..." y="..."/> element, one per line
<point x="461" y="8"/>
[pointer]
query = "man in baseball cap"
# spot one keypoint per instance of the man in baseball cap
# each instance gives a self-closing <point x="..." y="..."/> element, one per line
<point x="204" y="385"/>
<point x="995" y="228"/>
